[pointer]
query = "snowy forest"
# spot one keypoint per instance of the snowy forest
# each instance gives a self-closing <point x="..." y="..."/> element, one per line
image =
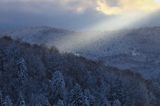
<point x="34" y="75"/>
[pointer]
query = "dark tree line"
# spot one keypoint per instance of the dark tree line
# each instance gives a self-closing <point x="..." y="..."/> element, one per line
<point x="33" y="75"/>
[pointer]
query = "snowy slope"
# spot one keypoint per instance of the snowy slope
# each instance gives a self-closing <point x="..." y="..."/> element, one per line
<point x="40" y="35"/>
<point x="136" y="49"/>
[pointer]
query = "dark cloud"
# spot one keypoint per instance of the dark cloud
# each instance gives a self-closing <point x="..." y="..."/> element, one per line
<point x="112" y="3"/>
<point x="17" y="14"/>
<point x="20" y="14"/>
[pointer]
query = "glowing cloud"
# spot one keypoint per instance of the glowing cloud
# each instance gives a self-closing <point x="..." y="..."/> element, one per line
<point x="158" y="1"/>
<point x="109" y="7"/>
<point x="126" y="6"/>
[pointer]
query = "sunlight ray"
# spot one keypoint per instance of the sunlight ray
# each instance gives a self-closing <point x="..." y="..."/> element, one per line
<point x="94" y="33"/>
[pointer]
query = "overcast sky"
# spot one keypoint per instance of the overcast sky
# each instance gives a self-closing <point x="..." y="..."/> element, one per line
<point x="71" y="14"/>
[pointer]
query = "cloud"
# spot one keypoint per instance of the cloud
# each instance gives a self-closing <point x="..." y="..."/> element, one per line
<point x="56" y="13"/>
<point x="126" y="6"/>
<point x="71" y="14"/>
<point x="109" y="7"/>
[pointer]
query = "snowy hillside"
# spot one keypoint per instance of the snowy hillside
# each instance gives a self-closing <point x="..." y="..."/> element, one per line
<point x="33" y="75"/>
<point x="38" y="35"/>
<point x="136" y="49"/>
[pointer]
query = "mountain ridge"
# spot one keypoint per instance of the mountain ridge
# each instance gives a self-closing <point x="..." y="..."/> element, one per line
<point x="36" y="75"/>
<point x="136" y="49"/>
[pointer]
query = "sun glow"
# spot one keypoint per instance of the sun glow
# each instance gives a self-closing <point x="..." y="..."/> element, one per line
<point x="124" y="13"/>
<point x="82" y="40"/>
<point x="120" y="22"/>
<point x="126" y="6"/>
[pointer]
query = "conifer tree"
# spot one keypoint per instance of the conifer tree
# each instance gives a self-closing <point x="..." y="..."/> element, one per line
<point x="1" y="98"/>
<point x="22" y="70"/>
<point x="2" y="60"/>
<point x="58" y="85"/>
<point x="21" y="100"/>
<point x="7" y="101"/>
<point x="76" y="96"/>
<point x="116" y="103"/>
<point x="60" y="103"/>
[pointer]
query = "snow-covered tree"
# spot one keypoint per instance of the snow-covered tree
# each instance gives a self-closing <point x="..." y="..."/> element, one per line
<point x="76" y="96"/>
<point x="60" y="103"/>
<point x="22" y="70"/>
<point x="116" y="90"/>
<point x="2" y="60"/>
<point x="7" y="101"/>
<point x="58" y="85"/>
<point x="1" y="98"/>
<point x="39" y="100"/>
<point x="21" y="100"/>
<point x="105" y="85"/>
<point x="86" y="101"/>
<point x="88" y="98"/>
<point x="105" y="102"/>
<point x="103" y="93"/>
<point x="116" y="103"/>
